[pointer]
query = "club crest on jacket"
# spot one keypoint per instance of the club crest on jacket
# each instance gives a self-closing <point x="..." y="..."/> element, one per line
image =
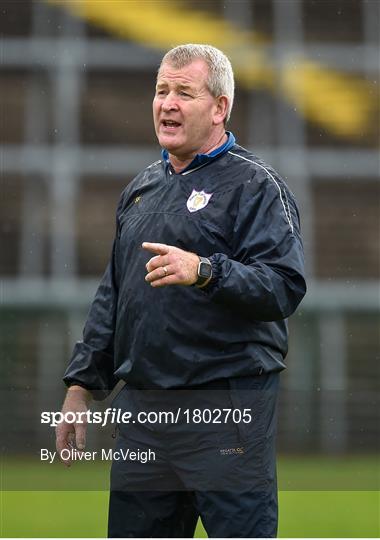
<point x="198" y="200"/>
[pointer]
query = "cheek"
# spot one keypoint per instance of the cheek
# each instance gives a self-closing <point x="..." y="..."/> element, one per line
<point x="156" y="108"/>
<point x="202" y="124"/>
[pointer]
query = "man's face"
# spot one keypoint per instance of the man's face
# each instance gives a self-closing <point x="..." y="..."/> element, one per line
<point x="185" y="114"/>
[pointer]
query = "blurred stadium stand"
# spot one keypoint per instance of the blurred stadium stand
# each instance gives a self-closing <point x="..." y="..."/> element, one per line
<point x="77" y="81"/>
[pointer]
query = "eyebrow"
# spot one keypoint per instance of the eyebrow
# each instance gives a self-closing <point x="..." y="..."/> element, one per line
<point x="180" y="86"/>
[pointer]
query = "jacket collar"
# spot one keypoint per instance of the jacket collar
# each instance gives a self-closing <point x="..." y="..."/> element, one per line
<point x="202" y="159"/>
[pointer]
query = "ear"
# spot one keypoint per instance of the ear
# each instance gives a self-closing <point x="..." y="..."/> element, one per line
<point x="221" y="104"/>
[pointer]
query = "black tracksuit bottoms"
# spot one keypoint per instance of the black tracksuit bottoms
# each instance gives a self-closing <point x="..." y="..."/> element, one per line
<point x="205" y="452"/>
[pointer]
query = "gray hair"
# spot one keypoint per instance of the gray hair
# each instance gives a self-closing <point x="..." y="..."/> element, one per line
<point x="220" y="78"/>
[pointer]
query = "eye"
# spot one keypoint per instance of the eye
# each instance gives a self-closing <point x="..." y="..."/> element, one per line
<point x="160" y="92"/>
<point x="184" y="94"/>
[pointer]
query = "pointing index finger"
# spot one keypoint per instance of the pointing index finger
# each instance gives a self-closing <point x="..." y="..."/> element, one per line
<point x="159" y="249"/>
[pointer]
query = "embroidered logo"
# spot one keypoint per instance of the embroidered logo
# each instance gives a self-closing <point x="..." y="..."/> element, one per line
<point x="198" y="200"/>
<point x="232" y="451"/>
<point x="137" y="199"/>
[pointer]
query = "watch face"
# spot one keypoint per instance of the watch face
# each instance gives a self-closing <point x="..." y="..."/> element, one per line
<point x="204" y="270"/>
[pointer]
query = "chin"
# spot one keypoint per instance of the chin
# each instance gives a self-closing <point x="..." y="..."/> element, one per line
<point x="174" y="140"/>
<point x="170" y="146"/>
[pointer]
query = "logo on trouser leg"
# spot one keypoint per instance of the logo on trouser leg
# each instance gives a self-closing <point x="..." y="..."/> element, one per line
<point x="232" y="451"/>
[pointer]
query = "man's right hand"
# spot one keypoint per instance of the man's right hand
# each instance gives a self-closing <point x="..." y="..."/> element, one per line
<point x="69" y="435"/>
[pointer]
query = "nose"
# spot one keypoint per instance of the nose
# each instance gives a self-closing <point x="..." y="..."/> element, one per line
<point x="169" y="103"/>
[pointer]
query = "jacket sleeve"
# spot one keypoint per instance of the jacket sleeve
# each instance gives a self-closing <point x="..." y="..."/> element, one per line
<point x="264" y="277"/>
<point x="92" y="361"/>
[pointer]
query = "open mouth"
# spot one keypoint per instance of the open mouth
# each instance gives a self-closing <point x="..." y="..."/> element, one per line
<point x="170" y="124"/>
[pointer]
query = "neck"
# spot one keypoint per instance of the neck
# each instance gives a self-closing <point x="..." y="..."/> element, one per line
<point x="179" y="163"/>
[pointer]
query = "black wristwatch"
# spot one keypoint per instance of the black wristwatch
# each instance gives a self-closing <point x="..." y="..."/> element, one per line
<point x="204" y="272"/>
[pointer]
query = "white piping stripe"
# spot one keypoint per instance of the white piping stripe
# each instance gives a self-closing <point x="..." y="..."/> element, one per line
<point x="154" y="163"/>
<point x="287" y="211"/>
<point x="195" y="169"/>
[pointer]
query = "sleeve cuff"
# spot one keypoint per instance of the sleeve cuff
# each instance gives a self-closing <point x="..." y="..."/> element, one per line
<point x="72" y="382"/>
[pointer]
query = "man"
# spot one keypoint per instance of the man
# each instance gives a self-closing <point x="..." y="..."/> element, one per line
<point x="207" y="264"/>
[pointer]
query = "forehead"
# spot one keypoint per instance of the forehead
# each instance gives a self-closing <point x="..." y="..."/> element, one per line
<point x="193" y="74"/>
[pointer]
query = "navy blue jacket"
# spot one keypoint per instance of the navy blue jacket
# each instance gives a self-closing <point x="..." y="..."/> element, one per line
<point x="180" y="336"/>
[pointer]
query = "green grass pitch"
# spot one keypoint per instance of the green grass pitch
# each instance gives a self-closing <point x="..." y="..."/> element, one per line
<point x="344" y="502"/>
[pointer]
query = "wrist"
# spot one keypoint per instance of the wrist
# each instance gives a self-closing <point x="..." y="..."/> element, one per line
<point x="79" y="392"/>
<point x="204" y="273"/>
